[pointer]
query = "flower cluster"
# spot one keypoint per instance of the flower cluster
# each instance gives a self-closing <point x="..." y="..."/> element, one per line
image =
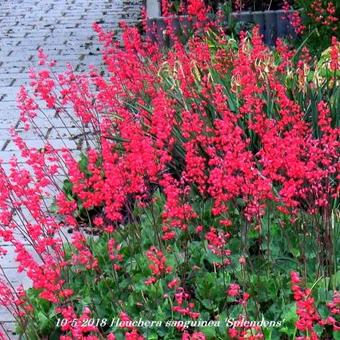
<point x="194" y="158"/>
<point x="324" y="14"/>
<point x="158" y="265"/>
<point x="308" y="317"/>
<point x="184" y="306"/>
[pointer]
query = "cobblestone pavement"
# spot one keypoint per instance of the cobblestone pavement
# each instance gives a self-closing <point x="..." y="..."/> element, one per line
<point x="63" y="29"/>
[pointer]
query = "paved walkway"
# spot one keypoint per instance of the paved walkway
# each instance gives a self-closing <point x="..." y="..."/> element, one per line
<point x="63" y="29"/>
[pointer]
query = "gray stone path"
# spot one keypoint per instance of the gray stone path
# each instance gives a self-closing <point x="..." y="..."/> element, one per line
<point x="63" y="29"/>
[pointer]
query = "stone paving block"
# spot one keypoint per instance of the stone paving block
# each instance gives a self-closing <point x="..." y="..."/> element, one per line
<point x="6" y="156"/>
<point x="16" y="278"/>
<point x="8" y="261"/>
<point x="10" y="95"/>
<point x="9" y="330"/>
<point x="40" y="143"/>
<point x="5" y="124"/>
<point x="31" y="135"/>
<point x="63" y="29"/>
<point x="63" y="132"/>
<point x="5" y="315"/>
<point x="16" y="75"/>
<point x="5" y="82"/>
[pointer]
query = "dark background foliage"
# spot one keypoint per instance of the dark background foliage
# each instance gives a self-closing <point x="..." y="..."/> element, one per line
<point x="248" y="5"/>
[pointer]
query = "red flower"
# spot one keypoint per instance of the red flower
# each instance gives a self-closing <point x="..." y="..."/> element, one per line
<point x="233" y="290"/>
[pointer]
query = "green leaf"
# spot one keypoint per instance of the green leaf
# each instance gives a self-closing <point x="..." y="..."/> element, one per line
<point x="210" y="332"/>
<point x="289" y="318"/>
<point x="336" y="335"/>
<point x="207" y="303"/>
<point x="44" y="322"/>
<point x="83" y="163"/>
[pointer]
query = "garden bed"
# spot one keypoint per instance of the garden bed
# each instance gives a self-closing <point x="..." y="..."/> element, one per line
<point x="211" y="190"/>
